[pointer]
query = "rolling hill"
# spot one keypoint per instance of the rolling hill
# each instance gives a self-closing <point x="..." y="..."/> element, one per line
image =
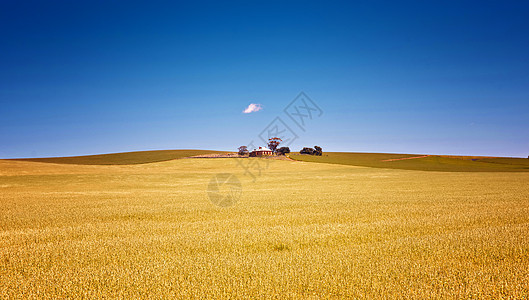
<point x="420" y="162"/>
<point x="124" y="158"/>
<point x="417" y="162"/>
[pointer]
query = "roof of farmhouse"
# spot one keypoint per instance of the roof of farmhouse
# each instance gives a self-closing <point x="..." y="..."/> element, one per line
<point x="262" y="149"/>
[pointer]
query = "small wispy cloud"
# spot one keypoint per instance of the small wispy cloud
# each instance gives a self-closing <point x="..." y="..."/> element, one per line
<point x="253" y="107"/>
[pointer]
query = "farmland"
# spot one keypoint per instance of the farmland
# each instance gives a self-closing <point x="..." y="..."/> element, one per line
<point x="443" y="163"/>
<point x="123" y="228"/>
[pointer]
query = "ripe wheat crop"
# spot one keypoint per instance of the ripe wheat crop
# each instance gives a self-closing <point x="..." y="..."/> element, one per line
<point x="301" y="230"/>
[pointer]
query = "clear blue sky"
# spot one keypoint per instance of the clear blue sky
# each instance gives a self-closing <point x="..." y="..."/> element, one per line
<point x="439" y="77"/>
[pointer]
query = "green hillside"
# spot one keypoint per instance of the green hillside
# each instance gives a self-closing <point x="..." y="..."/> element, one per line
<point x="124" y="158"/>
<point x="428" y="163"/>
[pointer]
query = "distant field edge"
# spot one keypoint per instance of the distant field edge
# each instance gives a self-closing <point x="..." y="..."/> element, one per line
<point x="418" y="162"/>
<point x="122" y="158"/>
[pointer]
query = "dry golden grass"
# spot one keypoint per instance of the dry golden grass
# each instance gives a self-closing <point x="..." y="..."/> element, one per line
<point x="302" y="230"/>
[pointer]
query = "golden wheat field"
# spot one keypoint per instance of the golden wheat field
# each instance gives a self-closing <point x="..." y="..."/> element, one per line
<point x="300" y="230"/>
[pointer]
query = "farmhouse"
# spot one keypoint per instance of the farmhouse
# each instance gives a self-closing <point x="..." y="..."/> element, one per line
<point x="260" y="152"/>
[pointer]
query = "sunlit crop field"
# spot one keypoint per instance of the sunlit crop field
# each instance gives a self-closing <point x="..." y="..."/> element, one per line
<point x="301" y="230"/>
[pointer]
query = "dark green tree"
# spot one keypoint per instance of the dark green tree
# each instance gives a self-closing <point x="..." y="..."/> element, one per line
<point x="318" y="151"/>
<point x="283" y="151"/>
<point x="243" y="150"/>
<point x="307" y="150"/>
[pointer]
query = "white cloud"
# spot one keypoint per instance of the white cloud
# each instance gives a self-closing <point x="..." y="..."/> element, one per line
<point x="253" y="107"/>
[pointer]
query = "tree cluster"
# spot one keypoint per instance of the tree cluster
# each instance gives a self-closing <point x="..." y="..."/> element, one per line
<point x="312" y="151"/>
<point x="283" y="151"/>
